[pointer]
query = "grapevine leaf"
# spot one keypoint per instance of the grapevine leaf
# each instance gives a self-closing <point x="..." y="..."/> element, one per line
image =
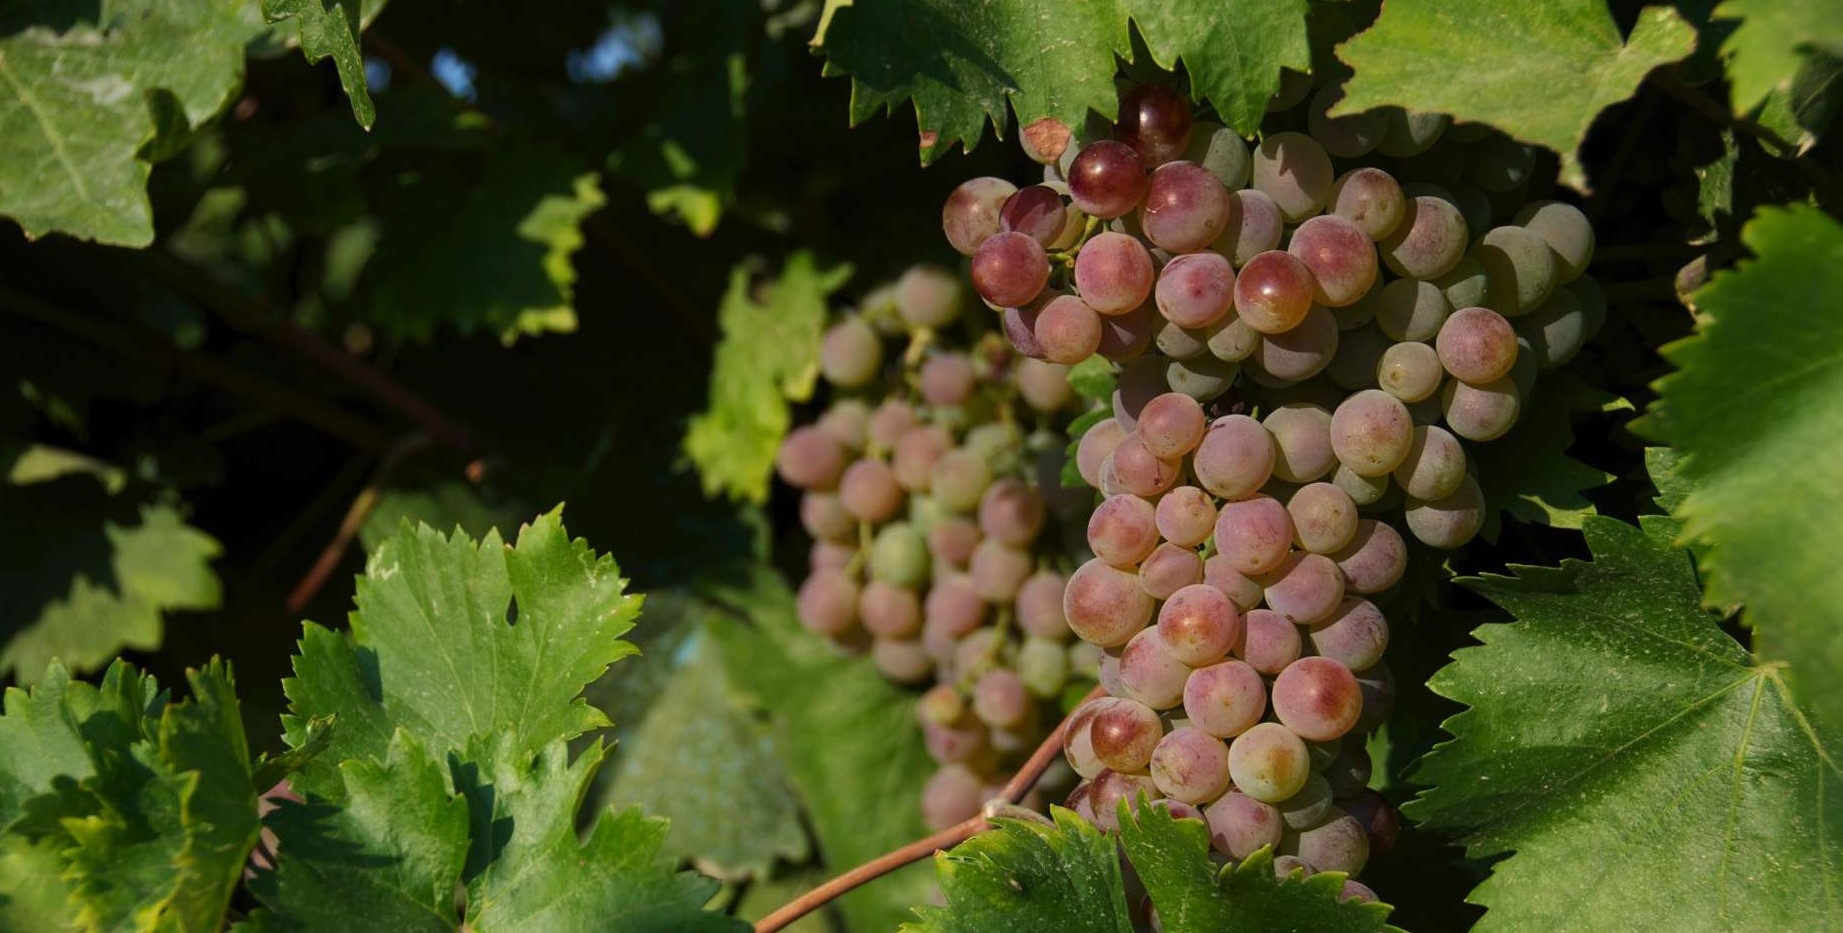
<point x="1191" y="892"/>
<point x="1025" y="875"/>
<point x="494" y="257"/>
<point x="961" y="63"/>
<point x="1774" y="39"/>
<point x="34" y="895"/>
<point x="1612" y="709"/>
<point x="329" y="29"/>
<point x="1528" y="472"/>
<point x="1800" y="112"/>
<point x="1665" y="466"/>
<point x="696" y="753"/>
<point x="84" y="87"/>
<point x="768" y="355"/>
<point x="539" y="876"/>
<point x="847" y="738"/>
<point x="443" y="504"/>
<point x="84" y="575"/>
<point x="453" y="640"/>
<point x="1755" y="385"/>
<point x="391" y="855"/>
<point x="55" y="730"/>
<point x="1567" y="62"/>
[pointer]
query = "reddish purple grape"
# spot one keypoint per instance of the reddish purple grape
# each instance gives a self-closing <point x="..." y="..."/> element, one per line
<point x="947" y="379"/>
<point x="1225" y="699"/>
<point x="1380" y="821"/>
<point x="1196" y="289"/>
<point x="891" y="420"/>
<point x="1020" y="326"/>
<point x="1155" y="121"/>
<point x="1273" y="292"/>
<point x="1124" y="733"/>
<point x="1039" y="606"/>
<point x="1036" y="211"/>
<point x="1429" y="241"/>
<point x="889" y="611"/>
<point x="869" y="493"/>
<point x="1009" y="269"/>
<point x="1186" y="207"/>
<point x="970" y="216"/>
<point x="1107" y="179"/>
<point x="952" y="795"/>
<point x="1078" y="739"/>
<point x="828" y="603"/>
<point x="915" y="454"/>
<point x="1340" y="255"/>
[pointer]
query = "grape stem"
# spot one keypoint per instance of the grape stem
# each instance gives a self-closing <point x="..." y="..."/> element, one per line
<point x="361" y="508"/>
<point x="1013" y="791"/>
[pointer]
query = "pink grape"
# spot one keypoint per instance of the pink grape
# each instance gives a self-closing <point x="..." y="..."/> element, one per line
<point x="1306" y="588"/>
<point x="825" y="518"/>
<point x="1035" y="211"/>
<point x="1185" y="516"/>
<point x="1178" y="809"/>
<point x="928" y="295"/>
<point x="1476" y="345"/>
<point x="958" y="479"/>
<point x="970" y="216"/>
<point x="1274" y="292"/>
<point x="1039" y="606"/>
<point x="1410" y="371"/>
<point x="1566" y="230"/>
<point x="1114" y="273"/>
<point x="951" y="540"/>
<point x="1122" y="530"/>
<point x="890" y="421"/>
<point x="1044" y="140"/>
<point x="1370" y="197"/>
<point x="1199" y="624"/>
<point x="1150" y="673"/>
<point x="1124" y="734"/>
<point x="869" y="493"/>
<point x="1435" y="465"/>
<point x="1293" y="170"/>
<point x="1317" y="698"/>
<point x="1340" y="255"/>
<point x="1009" y="269"/>
<point x="915" y="455"/>
<point x="848" y="423"/>
<point x="1112" y="789"/>
<point x="951" y="610"/>
<point x="827" y="603"/>
<point x="1195" y="290"/>
<point x="1225" y="699"/>
<point x="999" y="698"/>
<point x="889" y="611"/>
<point x="1254" y="534"/>
<point x="1324" y="517"/>
<point x="1107" y="179"/>
<point x="1240" y="825"/>
<point x="1481" y="412"/>
<point x="998" y="570"/>
<point x="1255" y="226"/>
<point x="1303" y="352"/>
<point x="1448" y="522"/>
<point x="1126" y="336"/>
<point x="1097" y="444"/>
<point x="1355" y="635"/>
<point x="1235" y="457"/>
<point x="1268" y="762"/>
<point x="1104" y="605"/>
<point x="1078" y="739"/>
<point x="1186" y="207"/>
<point x="1011" y="512"/>
<point x="1371" y="432"/>
<point x="1269" y="641"/>
<point x="1020" y="326"/>
<point x="1244" y="592"/>
<point x="1340" y="844"/>
<point x="1155" y="121"/>
<point x="1374" y="559"/>
<point x="810" y="458"/>
<point x="1068" y="330"/>
<point x="903" y="661"/>
<point x="1044" y="386"/>
<point x="830" y="555"/>
<point x="1171" y="425"/>
<point x="1191" y="765"/>
<point x="1141" y="472"/>
<point x="1168" y="569"/>
<point x="952" y="795"/>
<point x="1302" y="441"/>
<point x="1429" y="241"/>
<point x="947" y="379"/>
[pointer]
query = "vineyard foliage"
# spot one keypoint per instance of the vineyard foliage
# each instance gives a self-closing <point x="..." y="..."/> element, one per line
<point x="312" y="313"/>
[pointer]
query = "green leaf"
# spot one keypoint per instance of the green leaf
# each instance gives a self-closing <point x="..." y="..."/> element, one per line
<point x="1665" y="467"/>
<point x="1757" y="389"/>
<point x="1025" y="875"/>
<point x="444" y="504"/>
<point x="1616" y="718"/>
<point x="1527" y="472"/>
<point x="1538" y="71"/>
<point x="696" y="754"/>
<point x="769" y="354"/>
<point x="1191" y="892"/>
<point x="84" y="87"/>
<point x="483" y="246"/>
<point x="33" y="892"/>
<point x="329" y="29"/>
<point x="85" y="575"/>
<point x="56" y="730"/>
<point x="542" y="878"/>
<point x="454" y="640"/>
<point x="1801" y="112"/>
<point x="962" y="63"/>
<point x="388" y="859"/>
<point x="847" y="738"/>
<point x="1774" y="39"/>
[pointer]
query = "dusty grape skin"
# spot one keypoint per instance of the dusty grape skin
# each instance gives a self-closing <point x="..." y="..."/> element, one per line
<point x="1126" y="336"/>
<point x="1196" y="289"/>
<point x="1124" y="734"/>
<point x="1363" y="490"/>
<point x="1186" y="207"/>
<point x="827" y="602"/>
<point x="1303" y="352"/>
<point x="1519" y="269"/>
<point x="927" y="295"/>
<point x="1199" y="624"/>
<point x="1191" y="765"/>
<point x="1380" y="821"/>
<point x="1111" y="789"/>
<point x="1370" y="197"/>
<point x="889" y="611"/>
<point x="1374" y="559"/>
<point x="1178" y="809"/>
<point x="1169" y="568"/>
<point x="1097" y="444"/>
<point x="810" y="459"/>
<point x="951" y="540"/>
<point x="1171" y="425"/>
<point x="1244" y="592"/>
<point x="1010" y="269"/>
<point x="1324" y="517"/>
<point x="1338" y="844"/>
<point x="1293" y="170"/>
<point x="1567" y="232"/>
<point x="890" y="421"/>
<point x="1114" y="273"/>
<point x="1231" y="339"/>
<point x="824" y="517"/>
<point x="1349" y="772"/>
<point x="970" y="215"/>
<point x="947" y="379"/>
<point x="998" y="570"/>
<point x="1011" y="512"/>
<point x="915" y="454"/>
<point x="1043" y="385"/>
<point x="1371" y="432"/>
<point x="951" y="795"/>
<point x="1020" y="326"/>
<point x="1269" y="641"/>
<point x="1155" y="121"/>
<point x="1255" y="226"/>
<point x="1317" y="698"/>
<point x="903" y="661"/>
<point x="950" y="611"/>
<point x="1185" y="515"/>
<point x="1306" y="588"/>
<point x="1346" y="137"/>
<point x="1268" y="762"/>
<point x="1254" y="534"/>
<point x="1122" y="530"/>
<point x="1077" y="742"/>
<point x="1556" y="329"/>
<point x="1434" y="466"/>
<point x="1448" y="522"/>
<point x="1410" y="371"/>
<point x="1104" y="605"/>
<point x="848" y="423"/>
<point x="1000" y="698"/>
<point x="1039" y="606"/>
<point x="1150" y="673"/>
<point x="1139" y="471"/>
<point x="1302" y="441"/>
<point x="869" y="493"/>
<point x="1107" y="179"/>
<point x="1428" y="242"/>
<point x="1273" y="292"/>
<point x="1481" y="412"/>
<point x="1225" y="699"/>
<point x="1359" y="354"/>
<point x="1035" y="211"/>
<point x="1222" y="151"/>
<point x="1240" y="825"/>
<point x="1476" y="345"/>
<point x="1202" y="378"/>
<point x="1340" y="255"/>
<point x="1411" y="310"/>
<point x="1309" y="807"/>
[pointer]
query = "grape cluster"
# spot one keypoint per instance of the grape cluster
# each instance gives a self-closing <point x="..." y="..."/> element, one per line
<point x="931" y="548"/>
<point x="1308" y="332"/>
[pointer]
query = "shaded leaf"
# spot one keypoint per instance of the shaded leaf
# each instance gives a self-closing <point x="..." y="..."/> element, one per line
<point x="1527" y="472"/>
<point x="329" y="29"/>
<point x="1773" y="41"/>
